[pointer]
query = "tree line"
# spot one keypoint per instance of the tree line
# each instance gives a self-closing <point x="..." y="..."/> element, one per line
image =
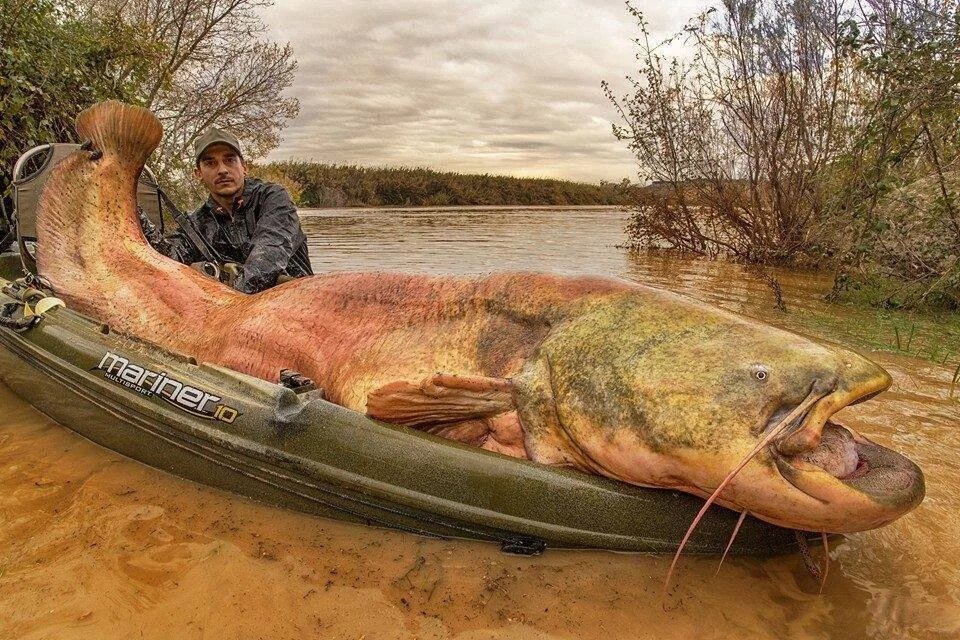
<point x="333" y="185"/>
<point x="808" y="133"/>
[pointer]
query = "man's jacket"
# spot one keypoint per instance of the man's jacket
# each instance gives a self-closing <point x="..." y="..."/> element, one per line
<point x="263" y="234"/>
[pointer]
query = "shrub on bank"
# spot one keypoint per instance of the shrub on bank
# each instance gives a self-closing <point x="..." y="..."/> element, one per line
<point x="807" y="133"/>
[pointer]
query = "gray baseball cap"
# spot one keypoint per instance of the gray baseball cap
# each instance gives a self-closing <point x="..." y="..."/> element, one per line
<point x="215" y="136"/>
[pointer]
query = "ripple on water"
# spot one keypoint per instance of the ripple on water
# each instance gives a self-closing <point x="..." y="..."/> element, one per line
<point x="93" y="545"/>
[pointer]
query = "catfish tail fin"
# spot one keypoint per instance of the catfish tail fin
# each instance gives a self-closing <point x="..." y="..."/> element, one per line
<point x="130" y="132"/>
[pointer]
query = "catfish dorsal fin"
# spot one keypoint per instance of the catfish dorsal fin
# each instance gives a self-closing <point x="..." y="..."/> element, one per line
<point x="128" y="132"/>
<point x="440" y="399"/>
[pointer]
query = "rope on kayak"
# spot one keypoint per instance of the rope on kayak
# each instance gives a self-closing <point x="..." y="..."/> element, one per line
<point x="29" y="318"/>
<point x="17" y="324"/>
<point x="37" y="281"/>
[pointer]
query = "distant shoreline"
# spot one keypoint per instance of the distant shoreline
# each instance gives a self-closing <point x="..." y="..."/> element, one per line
<point x="316" y="211"/>
<point x="322" y="186"/>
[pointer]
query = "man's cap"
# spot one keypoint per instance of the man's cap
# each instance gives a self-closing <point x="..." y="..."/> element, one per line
<point x="215" y="136"/>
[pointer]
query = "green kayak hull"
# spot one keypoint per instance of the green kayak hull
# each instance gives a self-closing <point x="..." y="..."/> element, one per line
<point x="225" y="429"/>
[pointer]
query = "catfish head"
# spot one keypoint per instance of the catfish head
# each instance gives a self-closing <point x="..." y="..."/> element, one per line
<point x="657" y="390"/>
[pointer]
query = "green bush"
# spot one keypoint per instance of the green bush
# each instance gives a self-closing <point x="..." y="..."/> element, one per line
<point x="53" y="63"/>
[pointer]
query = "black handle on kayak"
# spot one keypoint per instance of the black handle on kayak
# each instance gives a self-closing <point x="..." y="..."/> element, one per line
<point x="17" y="324"/>
<point x="523" y="546"/>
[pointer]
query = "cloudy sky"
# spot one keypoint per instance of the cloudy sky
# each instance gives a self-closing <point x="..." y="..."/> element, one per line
<point x="500" y="86"/>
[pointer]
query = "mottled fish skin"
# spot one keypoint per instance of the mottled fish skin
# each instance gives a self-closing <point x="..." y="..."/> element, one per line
<point x="599" y="374"/>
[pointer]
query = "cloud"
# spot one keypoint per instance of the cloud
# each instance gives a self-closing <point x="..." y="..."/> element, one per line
<point x="509" y="86"/>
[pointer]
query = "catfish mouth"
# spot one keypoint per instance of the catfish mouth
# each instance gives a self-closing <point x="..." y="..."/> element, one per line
<point x="836" y="455"/>
<point x="847" y="471"/>
<point x="844" y="455"/>
<point x="868" y="484"/>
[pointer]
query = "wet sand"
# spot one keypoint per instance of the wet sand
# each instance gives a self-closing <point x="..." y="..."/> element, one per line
<point x="93" y="545"/>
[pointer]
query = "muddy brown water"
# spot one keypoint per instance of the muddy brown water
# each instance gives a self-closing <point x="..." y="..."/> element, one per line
<point x="93" y="545"/>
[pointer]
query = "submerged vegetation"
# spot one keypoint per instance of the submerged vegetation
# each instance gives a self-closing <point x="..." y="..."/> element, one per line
<point x="327" y="185"/>
<point x="807" y="133"/>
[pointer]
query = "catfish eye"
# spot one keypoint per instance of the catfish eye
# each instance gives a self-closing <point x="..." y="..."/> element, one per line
<point x="761" y="373"/>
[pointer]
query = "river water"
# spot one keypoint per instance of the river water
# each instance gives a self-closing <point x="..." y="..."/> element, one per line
<point x="93" y="545"/>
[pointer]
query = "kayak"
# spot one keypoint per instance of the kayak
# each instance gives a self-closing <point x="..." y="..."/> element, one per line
<point x="285" y="445"/>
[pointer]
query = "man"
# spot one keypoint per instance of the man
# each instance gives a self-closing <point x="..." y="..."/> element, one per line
<point x="244" y="220"/>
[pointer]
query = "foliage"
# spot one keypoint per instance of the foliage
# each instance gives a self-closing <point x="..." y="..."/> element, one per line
<point x="794" y="133"/>
<point x="53" y="63"/>
<point x="326" y="185"/>
<point x="194" y="63"/>
<point x="271" y="173"/>
<point x="737" y="134"/>
<point x="899" y="184"/>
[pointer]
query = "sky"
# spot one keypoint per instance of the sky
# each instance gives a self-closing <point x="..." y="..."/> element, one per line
<point x="507" y="87"/>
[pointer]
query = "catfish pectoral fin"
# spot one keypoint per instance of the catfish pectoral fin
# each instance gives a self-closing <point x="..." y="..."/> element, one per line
<point x="474" y="410"/>
<point x="441" y="399"/>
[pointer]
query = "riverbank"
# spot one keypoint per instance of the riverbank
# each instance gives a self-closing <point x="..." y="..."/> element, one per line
<point x="314" y="184"/>
<point x="851" y="319"/>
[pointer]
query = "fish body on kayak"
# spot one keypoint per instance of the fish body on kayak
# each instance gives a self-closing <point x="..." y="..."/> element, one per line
<point x="598" y="374"/>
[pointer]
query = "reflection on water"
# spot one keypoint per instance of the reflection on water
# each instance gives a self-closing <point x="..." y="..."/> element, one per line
<point x="94" y="545"/>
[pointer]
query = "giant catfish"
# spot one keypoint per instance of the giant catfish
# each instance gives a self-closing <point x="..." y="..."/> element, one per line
<point x="599" y="374"/>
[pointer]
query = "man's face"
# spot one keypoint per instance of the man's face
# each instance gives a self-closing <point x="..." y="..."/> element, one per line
<point x="221" y="170"/>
